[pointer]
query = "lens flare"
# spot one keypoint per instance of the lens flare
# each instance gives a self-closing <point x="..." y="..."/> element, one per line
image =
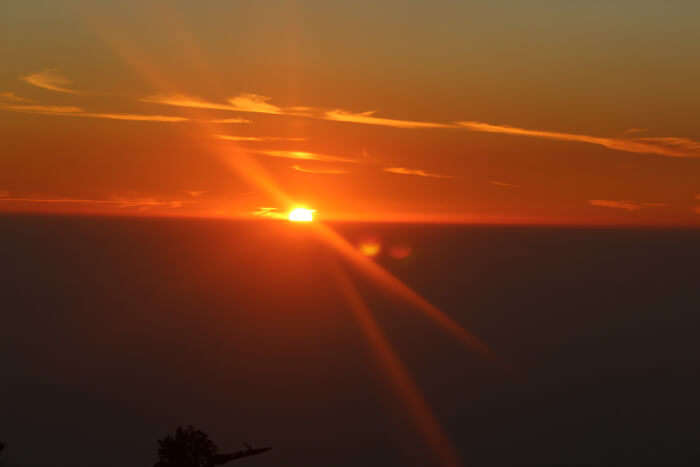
<point x="370" y="247"/>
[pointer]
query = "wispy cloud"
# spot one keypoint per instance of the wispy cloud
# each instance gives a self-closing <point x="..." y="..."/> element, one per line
<point x="12" y="97"/>
<point x="73" y="111"/>
<point x="254" y="103"/>
<point x="51" y="80"/>
<point x="503" y="184"/>
<point x="319" y="171"/>
<point x="606" y="203"/>
<point x="267" y="212"/>
<point x="663" y="146"/>
<point x="635" y="130"/>
<point x="182" y="100"/>
<point x="230" y="120"/>
<point x="247" y="102"/>
<point x="256" y="138"/>
<point x="136" y="117"/>
<point x="307" y="156"/>
<point x="654" y="205"/>
<point x="120" y="202"/>
<point x="417" y="172"/>
<point x="195" y="193"/>
<point x="368" y="118"/>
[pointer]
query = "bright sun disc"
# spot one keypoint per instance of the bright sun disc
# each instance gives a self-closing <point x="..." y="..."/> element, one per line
<point x="301" y="215"/>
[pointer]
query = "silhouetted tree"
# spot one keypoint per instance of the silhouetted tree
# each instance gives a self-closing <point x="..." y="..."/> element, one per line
<point x="190" y="447"/>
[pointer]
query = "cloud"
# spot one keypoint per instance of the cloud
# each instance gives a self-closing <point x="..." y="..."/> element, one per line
<point x="181" y="100"/>
<point x="230" y="120"/>
<point x="43" y="109"/>
<point x="606" y="203"/>
<point x="137" y="117"/>
<point x="267" y="212"/>
<point x="254" y="103"/>
<point x="662" y="146"/>
<point x="367" y="118"/>
<point x="51" y="80"/>
<point x="503" y="184"/>
<point x="654" y="205"/>
<point x="12" y="97"/>
<point x="306" y="156"/>
<point x="256" y="138"/>
<point x="251" y="103"/>
<point x="417" y="172"/>
<point x="73" y="111"/>
<point x="195" y="193"/>
<point x="319" y="171"/>
<point x="120" y="202"/>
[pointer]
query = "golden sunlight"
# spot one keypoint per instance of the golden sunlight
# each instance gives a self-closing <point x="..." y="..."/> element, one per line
<point x="301" y="215"/>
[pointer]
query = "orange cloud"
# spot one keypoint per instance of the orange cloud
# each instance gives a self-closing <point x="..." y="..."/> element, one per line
<point x="230" y="120"/>
<point x="606" y="203"/>
<point x="417" y="172"/>
<point x="195" y="193"/>
<point x="136" y="117"/>
<point x="12" y="97"/>
<point x="254" y="103"/>
<point x="256" y="138"/>
<point x="73" y="111"/>
<point x="319" y="171"/>
<point x="307" y="156"/>
<point x="367" y="118"/>
<point x="662" y="146"/>
<point x="272" y="213"/>
<point x="121" y="202"/>
<point x="503" y="184"/>
<point x="181" y="100"/>
<point x="49" y="79"/>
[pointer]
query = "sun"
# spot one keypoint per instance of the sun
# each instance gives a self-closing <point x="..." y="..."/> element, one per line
<point x="301" y="215"/>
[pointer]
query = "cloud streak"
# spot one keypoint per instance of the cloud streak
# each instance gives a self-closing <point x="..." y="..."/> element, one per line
<point x="255" y="103"/>
<point x="120" y="202"/>
<point x="416" y="172"/>
<point x="307" y="156"/>
<point x="319" y="171"/>
<point x="503" y="184"/>
<point x="256" y="138"/>
<point x="368" y="118"/>
<point x="662" y="146"/>
<point x="607" y="203"/>
<point x="230" y="120"/>
<point x="73" y="111"/>
<point x="51" y="80"/>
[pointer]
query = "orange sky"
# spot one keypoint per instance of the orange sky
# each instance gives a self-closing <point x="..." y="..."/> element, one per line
<point x="550" y="112"/>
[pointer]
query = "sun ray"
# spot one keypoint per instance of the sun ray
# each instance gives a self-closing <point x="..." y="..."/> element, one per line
<point x="399" y="375"/>
<point x="383" y="277"/>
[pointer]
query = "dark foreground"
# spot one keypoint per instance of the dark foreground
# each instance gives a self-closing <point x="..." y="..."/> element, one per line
<point x="114" y="331"/>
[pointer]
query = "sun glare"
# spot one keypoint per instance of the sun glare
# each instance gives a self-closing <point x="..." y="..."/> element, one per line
<point x="301" y="215"/>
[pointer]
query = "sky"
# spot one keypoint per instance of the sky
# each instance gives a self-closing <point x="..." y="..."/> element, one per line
<point x="540" y="112"/>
